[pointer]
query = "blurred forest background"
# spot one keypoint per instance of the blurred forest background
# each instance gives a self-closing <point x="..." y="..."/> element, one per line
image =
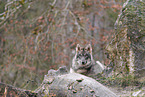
<point x="38" y="35"/>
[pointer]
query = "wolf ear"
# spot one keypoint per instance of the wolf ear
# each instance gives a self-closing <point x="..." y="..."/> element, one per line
<point x="89" y="48"/>
<point x="78" y="48"/>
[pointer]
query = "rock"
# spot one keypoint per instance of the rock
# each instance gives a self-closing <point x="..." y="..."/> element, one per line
<point x="64" y="84"/>
<point x="127" y="48"/>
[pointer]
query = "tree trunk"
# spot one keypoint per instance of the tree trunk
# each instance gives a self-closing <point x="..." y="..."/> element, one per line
<point x="127" y="49"/>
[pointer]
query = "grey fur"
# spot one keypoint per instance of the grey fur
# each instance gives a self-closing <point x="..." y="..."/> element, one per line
<point x="83" y="61"/>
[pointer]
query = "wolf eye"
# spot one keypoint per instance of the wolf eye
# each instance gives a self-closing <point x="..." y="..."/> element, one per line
<point x="79" y="55"/>
<point x="86" y="57"/>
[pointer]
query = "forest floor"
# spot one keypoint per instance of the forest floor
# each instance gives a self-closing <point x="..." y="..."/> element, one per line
<point x="125" y="87"/>
<point x="130" y="91"/>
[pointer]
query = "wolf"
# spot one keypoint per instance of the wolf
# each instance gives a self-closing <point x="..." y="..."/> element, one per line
<point x="83" y="61"/>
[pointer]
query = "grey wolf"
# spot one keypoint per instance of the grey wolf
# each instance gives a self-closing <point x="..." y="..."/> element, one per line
<point x="83" y="61"/>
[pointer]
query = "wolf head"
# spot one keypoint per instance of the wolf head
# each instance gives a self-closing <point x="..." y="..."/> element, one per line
<point x="83" y="56"/>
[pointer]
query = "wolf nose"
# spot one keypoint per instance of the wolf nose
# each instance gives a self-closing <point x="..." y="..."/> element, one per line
<point x="83" y="63"/>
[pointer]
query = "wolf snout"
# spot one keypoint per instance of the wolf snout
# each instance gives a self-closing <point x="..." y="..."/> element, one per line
<point x="83" y="63"/>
